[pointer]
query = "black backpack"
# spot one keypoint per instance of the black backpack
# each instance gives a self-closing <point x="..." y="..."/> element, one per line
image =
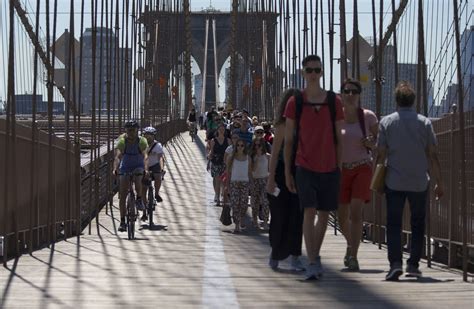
<point x="331" y="98"/>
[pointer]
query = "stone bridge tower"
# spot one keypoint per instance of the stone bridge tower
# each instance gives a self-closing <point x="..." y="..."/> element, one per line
<point x="256" y="63"/>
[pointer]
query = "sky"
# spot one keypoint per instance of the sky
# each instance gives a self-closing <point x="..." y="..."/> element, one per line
<point x="408" y="46"/>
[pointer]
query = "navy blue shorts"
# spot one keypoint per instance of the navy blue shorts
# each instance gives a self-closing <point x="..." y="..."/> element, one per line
<point x="318" y="190"/>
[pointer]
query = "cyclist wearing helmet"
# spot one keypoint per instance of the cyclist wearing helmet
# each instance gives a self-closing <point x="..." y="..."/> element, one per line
<point x="156" y="164"/>
<point x="130" y="156"/>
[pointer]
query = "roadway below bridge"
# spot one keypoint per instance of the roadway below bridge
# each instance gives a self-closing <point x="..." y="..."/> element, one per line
<point x="189" y="260"/>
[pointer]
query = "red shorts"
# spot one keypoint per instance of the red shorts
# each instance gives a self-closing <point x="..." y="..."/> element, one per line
<point x="355" y="184"/>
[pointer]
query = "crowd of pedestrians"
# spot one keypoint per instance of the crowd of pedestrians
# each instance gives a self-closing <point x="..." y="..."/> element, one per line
<point x="317" y="157"/>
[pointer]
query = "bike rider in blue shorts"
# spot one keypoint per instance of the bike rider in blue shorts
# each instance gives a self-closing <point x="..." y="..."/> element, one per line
<point x="156" y="165"/>
<point x="130" y="157"/>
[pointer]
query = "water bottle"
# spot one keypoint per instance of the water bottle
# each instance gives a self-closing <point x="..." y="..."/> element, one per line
<point x="1" y="245"/>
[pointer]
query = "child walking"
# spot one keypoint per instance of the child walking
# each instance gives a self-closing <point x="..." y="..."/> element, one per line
<point x="238" y="175"/>
<point x="259" y="166"/>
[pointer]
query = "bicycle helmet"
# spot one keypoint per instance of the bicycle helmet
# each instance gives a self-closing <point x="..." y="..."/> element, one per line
<point x="149" y="130"/>
<point x="131" y="124"/>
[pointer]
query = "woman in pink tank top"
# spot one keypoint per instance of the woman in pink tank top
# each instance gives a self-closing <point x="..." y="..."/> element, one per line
<point x="359" y="133"/>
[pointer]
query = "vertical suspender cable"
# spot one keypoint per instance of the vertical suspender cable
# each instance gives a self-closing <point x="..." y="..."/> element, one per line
<point x="116" y="80"/>
<point x="204" y="74"/>
<point x="34" y="179"/>
<point x="51" y="106"/>
<point x="395" y="48"/>
<point x="294" y="63"/>
<point x="120" y="61"/>
<point x="76" y="227"/>
<point x="233" y="56"/>
<point x="322" y="39"/>
<point x="279" y="73"/>
<point x="379" y="101"/>
<point x="80" y="110"/>
<point x="331" y="41"/>
<point x="305" y="28"/>
<point x="355" y="44"/>
<point x="287" y="45"/>
<point x="462" y="142"/>
<point x="75" y="191"/>
<point x="51" y="182"/>
<point x="134" y="54"/>
<point x="216" y="72"/>
<point x="316" y="26"/>
<point x="424" y="93"/>
<point x="93" y="195"/>
<point x="10" y="194"/>
<point x="299" y="77"/>
<point x="377" y="109"/>
<point x="343" y="59"/>
<point x="187" y="56"/>
<point x="126" y="76"/>
<point x="67" y="197"/>
<point x="311" y="20"/>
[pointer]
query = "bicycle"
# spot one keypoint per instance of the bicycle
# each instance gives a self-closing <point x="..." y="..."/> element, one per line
<point x="131" y="207"/>
<point x="151" y="200"/>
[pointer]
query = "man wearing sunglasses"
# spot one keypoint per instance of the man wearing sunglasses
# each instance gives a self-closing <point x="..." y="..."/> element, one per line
<point x="317" y="117"/>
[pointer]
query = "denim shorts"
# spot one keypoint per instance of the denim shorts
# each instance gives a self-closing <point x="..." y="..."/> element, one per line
<point x="155" y="169"/>
<point x="318" y="190"/>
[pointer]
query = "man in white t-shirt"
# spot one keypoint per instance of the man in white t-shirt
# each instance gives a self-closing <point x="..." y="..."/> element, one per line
<point x="155" y="162"/>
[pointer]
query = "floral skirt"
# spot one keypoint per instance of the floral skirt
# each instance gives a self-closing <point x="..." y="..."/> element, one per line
<point x="217" y="169"/>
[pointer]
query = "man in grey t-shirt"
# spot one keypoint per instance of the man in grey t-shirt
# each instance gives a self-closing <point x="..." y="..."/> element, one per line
<point x="407" y="146"/>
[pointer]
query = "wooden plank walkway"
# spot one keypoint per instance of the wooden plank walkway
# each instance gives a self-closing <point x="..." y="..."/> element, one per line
<point x="190" y="261"/>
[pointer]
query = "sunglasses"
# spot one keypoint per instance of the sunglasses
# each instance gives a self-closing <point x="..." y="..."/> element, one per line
<point x="351" y="91"/>
<point x="240" y="145"/>
<point x="311" y="70"/>
<point x="258" y="132"/>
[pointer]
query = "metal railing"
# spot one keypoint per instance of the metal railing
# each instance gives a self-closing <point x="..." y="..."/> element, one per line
<point x="26" y="226"/>
<point x="449" y="235"/>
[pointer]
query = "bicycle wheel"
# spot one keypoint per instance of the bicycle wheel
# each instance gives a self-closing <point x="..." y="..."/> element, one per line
<point x="131" y="216"/>
<point x="151" y="201"/>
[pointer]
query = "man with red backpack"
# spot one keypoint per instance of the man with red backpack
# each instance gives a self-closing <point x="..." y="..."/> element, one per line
<point x="313" y="157"/>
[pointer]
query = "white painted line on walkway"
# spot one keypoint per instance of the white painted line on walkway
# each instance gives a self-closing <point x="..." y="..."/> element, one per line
<point x="218" y="290"/>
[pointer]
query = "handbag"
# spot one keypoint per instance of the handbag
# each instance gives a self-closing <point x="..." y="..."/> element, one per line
<point x="378" y="179"/>
<point x="223" y="177"/>
<point x="225" y="218"/>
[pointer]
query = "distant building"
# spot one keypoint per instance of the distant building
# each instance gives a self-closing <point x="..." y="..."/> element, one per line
<point x="450" y="98"/>
<point x="120" y="93"/>
<point x="24" y="105"/>
<point x="406" y="71"/>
